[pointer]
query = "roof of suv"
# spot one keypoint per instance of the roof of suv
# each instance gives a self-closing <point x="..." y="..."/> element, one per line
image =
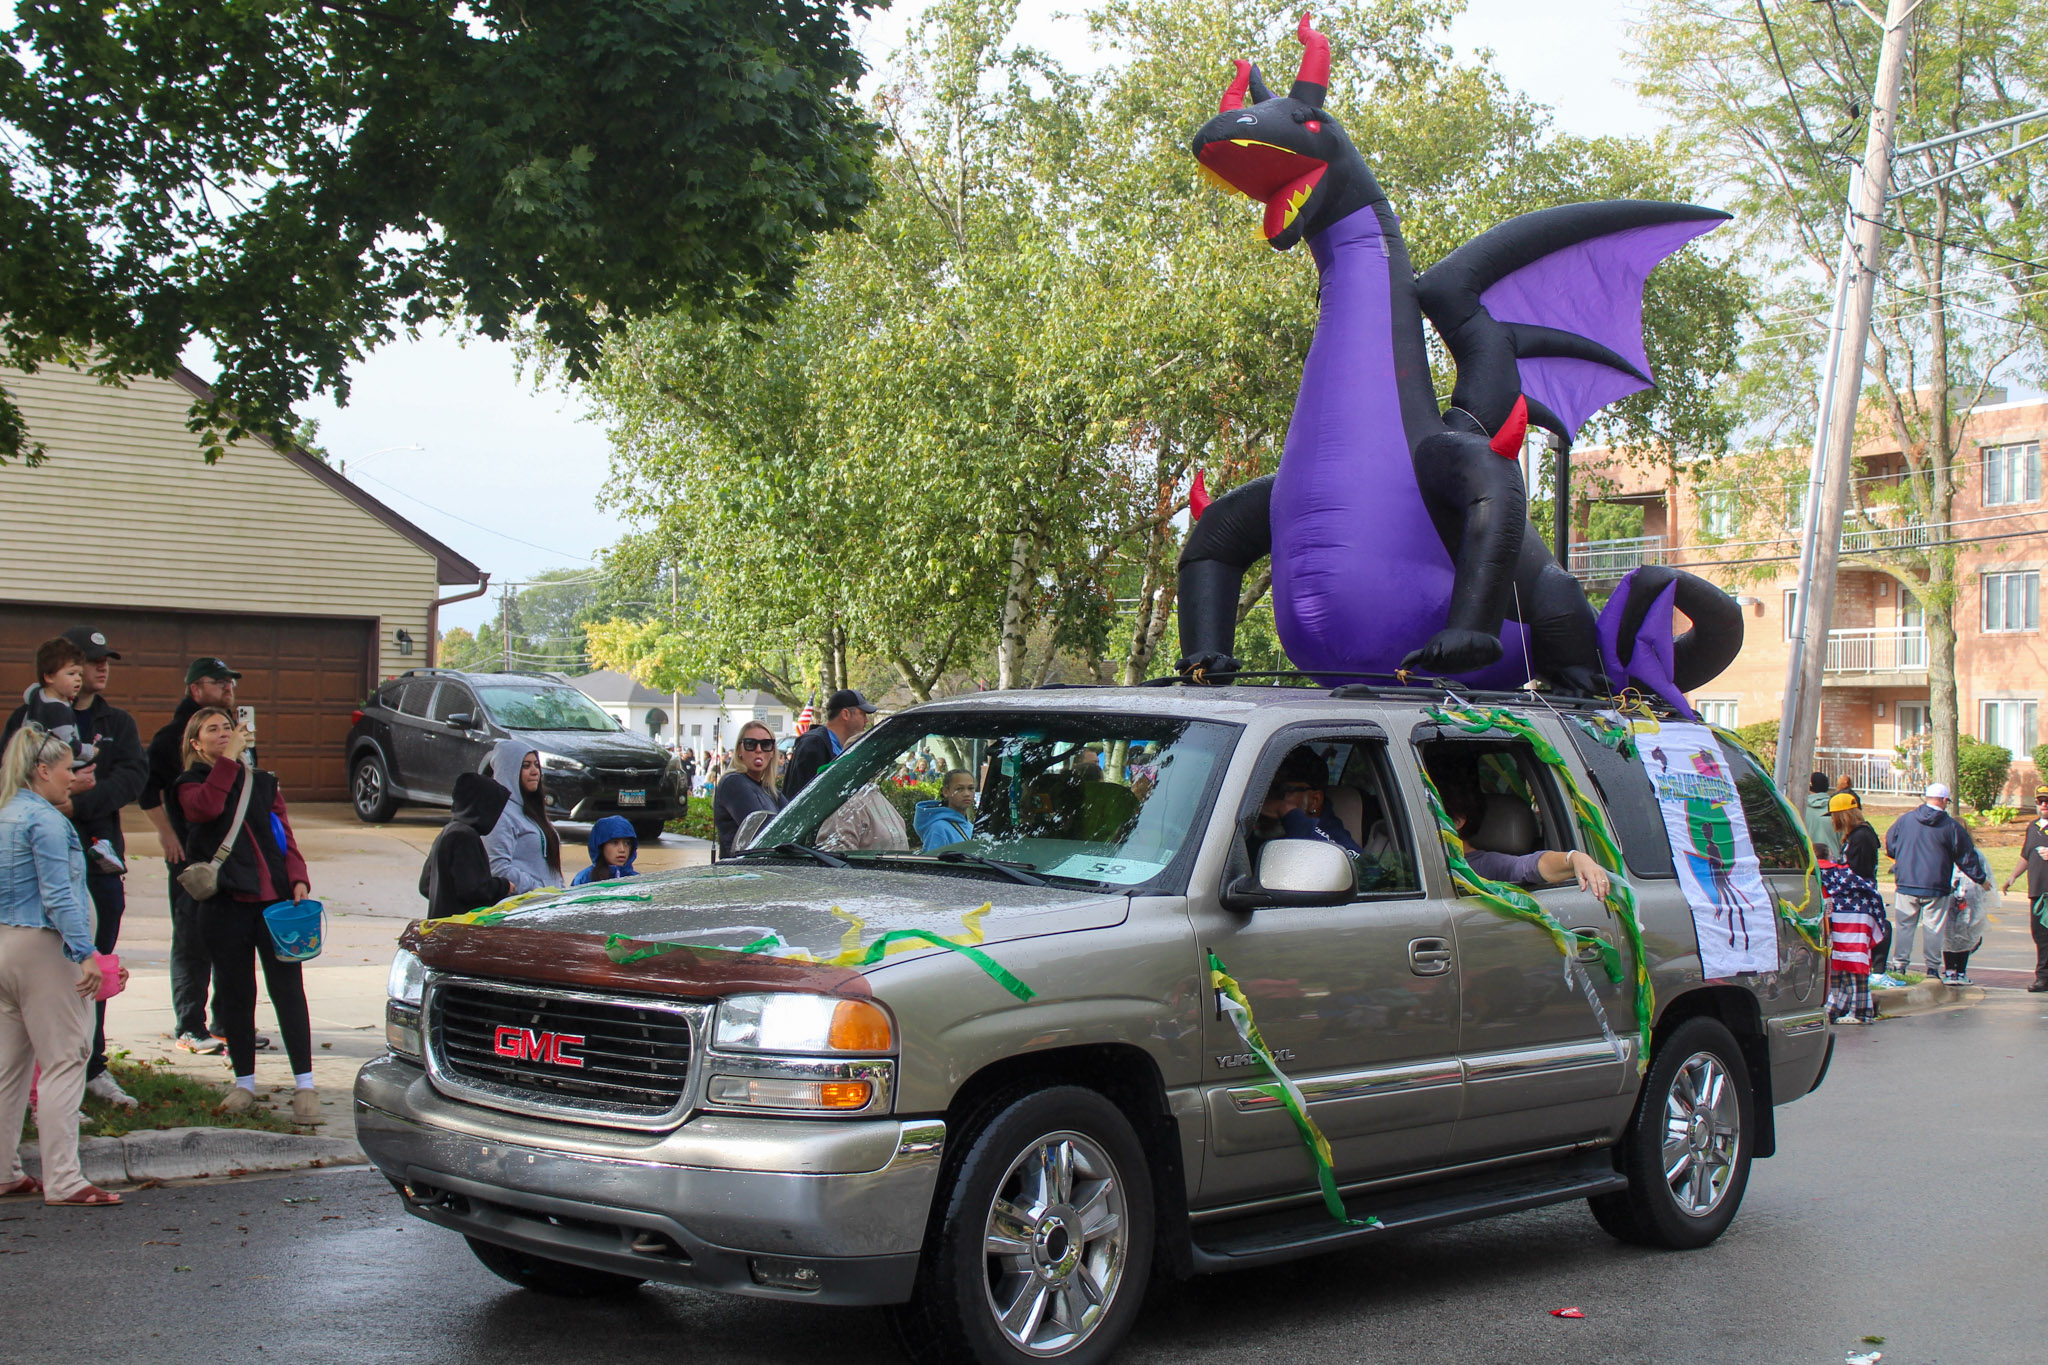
<point x="1242" y="701"/>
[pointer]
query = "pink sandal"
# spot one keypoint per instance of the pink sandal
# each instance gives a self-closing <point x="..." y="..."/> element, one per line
<point x="28" y="1184"/>
<point x="88" y="1198"/>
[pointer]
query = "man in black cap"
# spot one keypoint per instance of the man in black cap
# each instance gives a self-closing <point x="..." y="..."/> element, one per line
<point x="2034" y="862"/>
<point x="846" y="715"/>
<point x="98" y="792"/>
<point x="208" y="682"/>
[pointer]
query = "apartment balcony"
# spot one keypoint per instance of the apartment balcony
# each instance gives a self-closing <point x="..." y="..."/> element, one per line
<point x="1598" y="560"/>
<point x="1887" y="656"/>
<point x="1873" y="772"/>
<point x="1863" y="541"/>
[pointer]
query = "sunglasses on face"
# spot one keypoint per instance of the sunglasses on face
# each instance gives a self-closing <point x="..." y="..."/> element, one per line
<point x="761" y="745"/>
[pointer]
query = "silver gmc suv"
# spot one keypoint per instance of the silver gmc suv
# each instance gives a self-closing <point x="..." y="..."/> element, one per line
<point x="1030" y="995"/>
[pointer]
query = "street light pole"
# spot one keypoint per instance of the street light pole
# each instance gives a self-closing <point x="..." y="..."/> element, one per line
<point x="1841" y="398"/>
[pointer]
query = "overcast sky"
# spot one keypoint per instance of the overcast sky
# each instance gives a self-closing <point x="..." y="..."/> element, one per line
<point x="528" y="464"/>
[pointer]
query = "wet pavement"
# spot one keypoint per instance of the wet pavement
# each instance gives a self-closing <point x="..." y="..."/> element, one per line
<point x="1904" y="1204"/>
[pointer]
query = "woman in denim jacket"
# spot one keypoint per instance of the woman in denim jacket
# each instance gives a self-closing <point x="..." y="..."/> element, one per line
<point x="49" y="974"/>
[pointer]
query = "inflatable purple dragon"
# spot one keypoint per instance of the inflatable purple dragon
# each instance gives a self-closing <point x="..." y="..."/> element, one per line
<point x="1399" y="534"/>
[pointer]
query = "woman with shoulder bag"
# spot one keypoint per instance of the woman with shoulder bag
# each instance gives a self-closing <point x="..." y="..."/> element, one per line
<point x="49" y="974"/>
<point x="232" y="822"/>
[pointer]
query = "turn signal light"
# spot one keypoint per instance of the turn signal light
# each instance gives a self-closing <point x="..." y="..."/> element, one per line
<point x="844" y="1094"/>
<point x="859" y="1026"/>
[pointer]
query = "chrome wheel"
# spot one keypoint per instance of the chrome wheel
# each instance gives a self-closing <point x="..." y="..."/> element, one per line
<point x="369" y="786"/>
<point x="1702" y="1133"/>
<point x="1054" y="1243"/>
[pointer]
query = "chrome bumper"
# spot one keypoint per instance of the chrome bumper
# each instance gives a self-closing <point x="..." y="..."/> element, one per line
<point x="825" y="1212"/>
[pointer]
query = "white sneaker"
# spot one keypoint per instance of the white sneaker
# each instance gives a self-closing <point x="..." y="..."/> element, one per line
<point x="105" y="1087"/>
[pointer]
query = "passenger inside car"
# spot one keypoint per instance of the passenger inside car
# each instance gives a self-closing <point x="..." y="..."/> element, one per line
<point x="1500" y="829"/>
<point x="1350" y="812"/>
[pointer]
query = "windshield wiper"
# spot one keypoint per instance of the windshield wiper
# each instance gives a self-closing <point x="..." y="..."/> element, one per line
<point x="816" y="855"/>
<point x="1016" y="872"/>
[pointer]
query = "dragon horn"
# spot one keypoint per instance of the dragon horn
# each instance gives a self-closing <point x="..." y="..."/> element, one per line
<point x="1233" y="98"/>
<point x="1260" y="94"/>
<point x="1313" y="81"/>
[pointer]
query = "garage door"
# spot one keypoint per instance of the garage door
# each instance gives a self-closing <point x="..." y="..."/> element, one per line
<point x="303" y="675"/>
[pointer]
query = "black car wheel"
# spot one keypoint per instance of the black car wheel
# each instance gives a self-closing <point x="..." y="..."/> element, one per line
<point x="1687" y="1150"/>
<point x="1041" y="1243"/>
<point x="545" y="1276"/>
<point x="648" y="831"/>
<point x="369" y="790"/>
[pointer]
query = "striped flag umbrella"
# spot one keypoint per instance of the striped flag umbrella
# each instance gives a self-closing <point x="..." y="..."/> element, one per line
<point x="807" y="719"/>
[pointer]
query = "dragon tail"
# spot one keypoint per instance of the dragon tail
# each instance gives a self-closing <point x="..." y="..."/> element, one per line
<point x="1637" y="644"/>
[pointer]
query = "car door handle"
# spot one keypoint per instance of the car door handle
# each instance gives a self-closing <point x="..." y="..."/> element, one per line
<point x="1591" y="944"/>
<point x="1429" y="956"/>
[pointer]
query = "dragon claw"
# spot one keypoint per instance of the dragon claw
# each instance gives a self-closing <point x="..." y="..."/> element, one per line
<point x="1454" y="651"/>
<point x="1208" y="667"/>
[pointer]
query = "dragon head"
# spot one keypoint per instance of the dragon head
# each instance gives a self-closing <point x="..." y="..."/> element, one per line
<point x="1289" y="154"/>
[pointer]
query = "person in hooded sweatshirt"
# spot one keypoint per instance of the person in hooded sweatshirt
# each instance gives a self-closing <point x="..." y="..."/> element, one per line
<point x="613" y="847"/>
<point x="1929" y="846"/>
<point x="458" y="876"/>
<point x="523" y="845"/>
<point x="949" y="819"/>
<point x="1818" y="827"/>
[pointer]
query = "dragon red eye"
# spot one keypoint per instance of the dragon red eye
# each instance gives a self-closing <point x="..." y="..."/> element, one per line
<point x="1313" y="125"/>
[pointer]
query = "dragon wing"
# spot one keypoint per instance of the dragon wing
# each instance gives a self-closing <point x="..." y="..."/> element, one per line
<point x="1543" y="314"/>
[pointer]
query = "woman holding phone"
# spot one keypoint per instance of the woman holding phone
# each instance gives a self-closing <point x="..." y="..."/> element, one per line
<point x="49" y="975"/>
<point x="263" y="866"/>
<point x="749" y="787"/>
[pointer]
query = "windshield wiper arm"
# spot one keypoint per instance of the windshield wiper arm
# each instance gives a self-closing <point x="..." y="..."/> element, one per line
<point x="1016" y="872"/>
<point x="816" y="855"/>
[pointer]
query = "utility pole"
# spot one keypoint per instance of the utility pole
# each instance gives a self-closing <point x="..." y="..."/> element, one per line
<point x="1841" y="398"/>
<point x="675" y="612"/>
<point x="505" y="622"/>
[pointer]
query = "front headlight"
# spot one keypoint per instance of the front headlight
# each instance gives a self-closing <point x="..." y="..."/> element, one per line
<point x="406" y="986"/>
<point x="787" y="1022"/>
<point x="561" y="763"/>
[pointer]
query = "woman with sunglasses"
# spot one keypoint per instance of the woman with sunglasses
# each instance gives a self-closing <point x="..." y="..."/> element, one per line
<point x="749" y="787"/>
<point x="49" y="975"/>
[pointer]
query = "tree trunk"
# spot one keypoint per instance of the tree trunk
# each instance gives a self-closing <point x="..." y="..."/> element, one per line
<point x="1941" y="694"/>
<point x="1026" y="548"/>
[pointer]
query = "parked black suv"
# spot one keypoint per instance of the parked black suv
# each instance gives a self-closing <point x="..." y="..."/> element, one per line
<point x="417" y="731"/>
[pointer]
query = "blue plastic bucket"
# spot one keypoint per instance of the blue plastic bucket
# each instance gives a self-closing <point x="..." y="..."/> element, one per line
<point x="296" y="930"/>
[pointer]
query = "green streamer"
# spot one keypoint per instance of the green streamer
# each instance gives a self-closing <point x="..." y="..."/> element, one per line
<point x="626" y="951"/>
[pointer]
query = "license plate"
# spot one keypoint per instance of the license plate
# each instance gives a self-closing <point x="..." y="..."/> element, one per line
<point x="633" y="798"/>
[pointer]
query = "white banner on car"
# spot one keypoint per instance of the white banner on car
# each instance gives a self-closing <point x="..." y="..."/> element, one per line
<point x="1709" y="834"/>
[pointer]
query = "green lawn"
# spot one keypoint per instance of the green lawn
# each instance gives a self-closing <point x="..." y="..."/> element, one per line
<point x="166" y="1099"/>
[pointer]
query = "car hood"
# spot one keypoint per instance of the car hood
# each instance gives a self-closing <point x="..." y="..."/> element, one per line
<point x="820" y="912"/>
<point x="598" y="748"/>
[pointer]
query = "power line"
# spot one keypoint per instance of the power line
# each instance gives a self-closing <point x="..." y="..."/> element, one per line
<point x="487" y="530"/>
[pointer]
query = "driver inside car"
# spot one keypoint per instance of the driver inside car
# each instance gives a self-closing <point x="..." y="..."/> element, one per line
<point x="1298" y="807"/>
<point x="1468" y="808"/>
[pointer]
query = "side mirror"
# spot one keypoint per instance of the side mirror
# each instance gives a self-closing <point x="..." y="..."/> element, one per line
<point x="1298" y="872"/>
<point x="750" y="827"/>
<point x="462" y="720"/>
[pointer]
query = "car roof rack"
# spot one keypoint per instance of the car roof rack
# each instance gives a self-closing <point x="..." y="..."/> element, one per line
<point x="1403" y="687"/>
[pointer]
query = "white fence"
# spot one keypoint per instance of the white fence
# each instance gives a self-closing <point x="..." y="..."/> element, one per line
<point x="1873" y="772"/>
<point x="1612" y="558"/>
<point x="1886" y="649"/>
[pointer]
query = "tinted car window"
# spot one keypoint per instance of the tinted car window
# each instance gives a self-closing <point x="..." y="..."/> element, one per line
<point x="1631" y="805"/>
<point x="413" y="701"/>
<point x="1778" y="843"/>
<point x="389" y="693"/>
<point x="453" y="700"/>
<point x="522" y="705"/>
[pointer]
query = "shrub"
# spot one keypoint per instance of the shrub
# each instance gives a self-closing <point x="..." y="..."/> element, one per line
<point x="905" y="796"/>
<point x="2041" y="762"/>
<point x="1981" y="770"/>
<point x="1761" y="739"/>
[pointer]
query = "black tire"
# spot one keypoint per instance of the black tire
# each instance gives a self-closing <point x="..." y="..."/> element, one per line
<point x="648" y="831"/>
<point x="954" y="1314"/>
<point x="369" y="790"/>
<point x="556" y="1278"/>
<point x="1687" y="1150"/>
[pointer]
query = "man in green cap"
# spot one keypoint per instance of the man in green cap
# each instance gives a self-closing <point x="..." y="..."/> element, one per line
<point x="2034" y="862"/>
<point x="208" y="682"/>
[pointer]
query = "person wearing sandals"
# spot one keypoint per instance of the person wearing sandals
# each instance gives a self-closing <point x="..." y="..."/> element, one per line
<point x="262" y="867"/>
<point x="49" y="975"/>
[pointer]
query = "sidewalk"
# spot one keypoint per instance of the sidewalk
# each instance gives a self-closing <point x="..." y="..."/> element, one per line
<point x="367" y="876"/>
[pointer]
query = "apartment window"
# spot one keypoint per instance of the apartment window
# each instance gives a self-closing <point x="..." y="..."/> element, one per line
<point x="1717" y="511"/>
<point x="1791" y="612"/>
<point x="2012" y="601"/>
<point x="2008" y="724"/>
<point x="1721" y="713"/>
<point x="1795" y="508"/>
<point x="2012" y="474"/>
<point x="1912" y="720"/>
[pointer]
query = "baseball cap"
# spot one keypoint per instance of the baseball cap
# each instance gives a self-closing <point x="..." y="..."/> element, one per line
<point x="844" y="699"/>
<point x="1842" y="801"/>
<point x="217" y="669"/>
<point x="2041" y="793"/>
<point x="1936" y="791"/>
<point x="91" y="643"/>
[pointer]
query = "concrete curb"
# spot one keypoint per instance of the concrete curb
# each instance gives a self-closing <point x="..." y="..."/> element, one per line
<point x="188" y="1153"/>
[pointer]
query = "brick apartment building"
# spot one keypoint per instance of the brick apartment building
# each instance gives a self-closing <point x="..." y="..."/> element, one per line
<point x="1875" y="689"/>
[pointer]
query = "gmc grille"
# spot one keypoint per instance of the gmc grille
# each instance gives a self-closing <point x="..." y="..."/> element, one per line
<point x="613" y="1059"/>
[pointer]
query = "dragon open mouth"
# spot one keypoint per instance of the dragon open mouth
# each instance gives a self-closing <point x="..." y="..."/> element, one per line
<point x="1279" y="179"/>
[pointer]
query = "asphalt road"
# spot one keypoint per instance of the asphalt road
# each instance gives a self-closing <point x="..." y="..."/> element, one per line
<point x="1906" y="1203"/>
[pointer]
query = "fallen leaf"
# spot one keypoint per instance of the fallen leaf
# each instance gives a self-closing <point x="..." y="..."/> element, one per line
<point x="1567" y="1312"/>
<point x="180" y="1269"/>
<point x="1873" y="1341"/>
<point x="163" y="1244"/>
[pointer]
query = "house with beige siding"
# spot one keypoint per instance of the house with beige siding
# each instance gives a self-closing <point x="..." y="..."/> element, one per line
<point x="309" y="586"/>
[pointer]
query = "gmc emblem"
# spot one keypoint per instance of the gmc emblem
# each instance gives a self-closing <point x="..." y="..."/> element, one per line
<point x="524" y="1045"/>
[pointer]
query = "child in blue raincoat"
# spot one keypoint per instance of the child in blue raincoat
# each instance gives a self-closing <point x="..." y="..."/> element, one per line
<point x="613" y="846"/>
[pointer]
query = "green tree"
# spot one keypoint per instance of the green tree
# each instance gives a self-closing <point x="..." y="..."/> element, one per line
<point x="296" y="182"/>
<point x="1772" y="104"/>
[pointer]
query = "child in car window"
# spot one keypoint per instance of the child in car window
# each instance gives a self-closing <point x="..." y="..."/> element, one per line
<point x="613" y="847"/>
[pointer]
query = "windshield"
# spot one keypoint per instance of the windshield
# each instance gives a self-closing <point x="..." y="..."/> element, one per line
<point x="542" y="706"/>
<point x="1108" y="800"/>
